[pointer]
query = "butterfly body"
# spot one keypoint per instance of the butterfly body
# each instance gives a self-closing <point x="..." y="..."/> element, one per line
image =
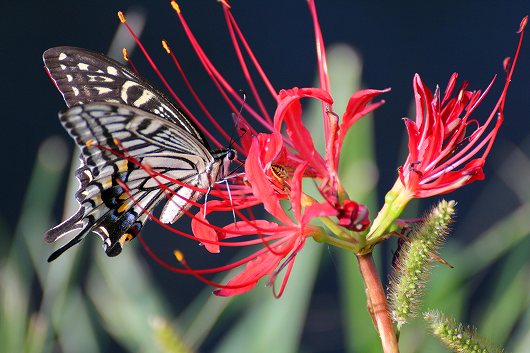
<point x="134" y="145"/>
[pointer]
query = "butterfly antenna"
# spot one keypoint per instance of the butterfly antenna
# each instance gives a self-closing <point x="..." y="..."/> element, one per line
<point x="233" y="173"/>
<point x="237" y="117"/>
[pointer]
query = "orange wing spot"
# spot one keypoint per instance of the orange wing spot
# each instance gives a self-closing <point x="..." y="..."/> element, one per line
<point x="106" y="184"/>
<point x="121" y="16"/>
<point x="90" y="143"/>
<point x="123" y="207"/>
<point x="125" y="238"/>
<point x="122" y="165"/>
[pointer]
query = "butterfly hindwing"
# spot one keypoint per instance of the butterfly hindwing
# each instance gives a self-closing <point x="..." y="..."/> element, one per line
<point x="85" y="77"/>
<point x="115" y="140"/>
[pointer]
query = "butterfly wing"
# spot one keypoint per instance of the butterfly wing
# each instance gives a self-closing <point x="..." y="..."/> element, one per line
<point x="107" y="133"/>
<point x="85" y="77"/>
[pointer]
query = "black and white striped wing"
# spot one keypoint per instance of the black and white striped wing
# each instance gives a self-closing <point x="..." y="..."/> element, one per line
<point x="106" y="132"/>
<point x="85" y="77"/>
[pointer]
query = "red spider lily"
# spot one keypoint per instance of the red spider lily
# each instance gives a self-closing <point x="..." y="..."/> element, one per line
<point x="276" y="162"/>
<point x="443" y="155"/>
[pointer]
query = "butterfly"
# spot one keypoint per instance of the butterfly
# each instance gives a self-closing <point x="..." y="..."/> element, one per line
<point x="119" y="121"/>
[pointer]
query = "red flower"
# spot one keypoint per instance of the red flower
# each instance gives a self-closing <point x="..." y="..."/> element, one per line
<point x="447" y="147"/>
<point x="281" y="152"/>
<point x="277" y="160"/>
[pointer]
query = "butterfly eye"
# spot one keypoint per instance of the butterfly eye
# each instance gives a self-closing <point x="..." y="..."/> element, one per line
<point x="231" y="155"/>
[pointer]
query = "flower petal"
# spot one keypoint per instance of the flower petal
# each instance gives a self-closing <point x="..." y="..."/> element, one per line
<point x="356" y="109"/>
<point x="255" y="270"/>
<point x="264" y="149"/>
<point x="290" y="110"/>
<point x="202" y="229"/>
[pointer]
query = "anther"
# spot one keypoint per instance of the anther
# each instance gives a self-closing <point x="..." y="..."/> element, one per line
<point x="225" y="3"/>
<point x="179" y="255"/>
<point x="125" y="55"/>
<point x="121" y="16"/>
<point x="524" y="21"/>
<point x="175" y="6"/>
<point x="166" y="46"/>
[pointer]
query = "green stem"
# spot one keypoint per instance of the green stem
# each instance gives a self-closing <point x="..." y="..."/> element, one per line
<point x="395" y="202"/>
<point x="343" y="239"/>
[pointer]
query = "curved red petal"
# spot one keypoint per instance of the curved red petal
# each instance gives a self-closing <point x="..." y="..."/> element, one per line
<point x="202" y="230"/>
<point x="264" y="149"/>
<point x="255" y="270"/>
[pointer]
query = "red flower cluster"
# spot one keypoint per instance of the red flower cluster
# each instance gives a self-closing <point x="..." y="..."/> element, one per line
<point x="277" y="159"/>
<point x="282" y="154"/>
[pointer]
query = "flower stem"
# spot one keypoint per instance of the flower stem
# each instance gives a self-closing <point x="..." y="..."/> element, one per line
<point x="395" y="202"/>
<point x="377" y="303"/>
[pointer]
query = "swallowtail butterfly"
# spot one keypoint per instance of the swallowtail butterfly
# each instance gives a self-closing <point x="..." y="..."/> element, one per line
<point x="112" y="112"/>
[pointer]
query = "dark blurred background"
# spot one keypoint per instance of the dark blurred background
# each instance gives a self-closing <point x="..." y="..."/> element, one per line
<point x="395" y="40"/>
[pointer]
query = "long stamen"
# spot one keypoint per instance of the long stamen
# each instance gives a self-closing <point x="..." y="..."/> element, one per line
<point x="170" y="192"/>
<point x="329" y="120"/>
<point x="260" y="240"/>
<point x="223" y="86"/>
<point x="164" y="81"/>
<point x="128" y="60"/>
<point x="255" y="61"/>
<point x="198" y="273"/>
<point x="232" y="29"/>
<point x="321" y="50"/>
<point x="219" y="269"/>
<point x="197" y="99"/>
<point x="290" y="262"/>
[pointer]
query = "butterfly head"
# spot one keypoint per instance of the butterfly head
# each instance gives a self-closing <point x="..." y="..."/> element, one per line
<point x="227" y="155"/>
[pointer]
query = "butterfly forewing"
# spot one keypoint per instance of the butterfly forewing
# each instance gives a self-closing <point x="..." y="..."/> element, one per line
<point x="135" y="146"/>
<point x="114" y="140"/>
<point x="85" y="77"/>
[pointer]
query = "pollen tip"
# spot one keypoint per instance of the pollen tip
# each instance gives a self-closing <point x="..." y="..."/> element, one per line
<point x="125" y="55"/>
<point x="175" y="6"/>
<point x="166" y="47"/>
<point x="522" y="26"/>
<point x="225" y="3"/>
<point x="506" y="63"/>
<point x="121" y="16"/>
<point x="179" y="255"/>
